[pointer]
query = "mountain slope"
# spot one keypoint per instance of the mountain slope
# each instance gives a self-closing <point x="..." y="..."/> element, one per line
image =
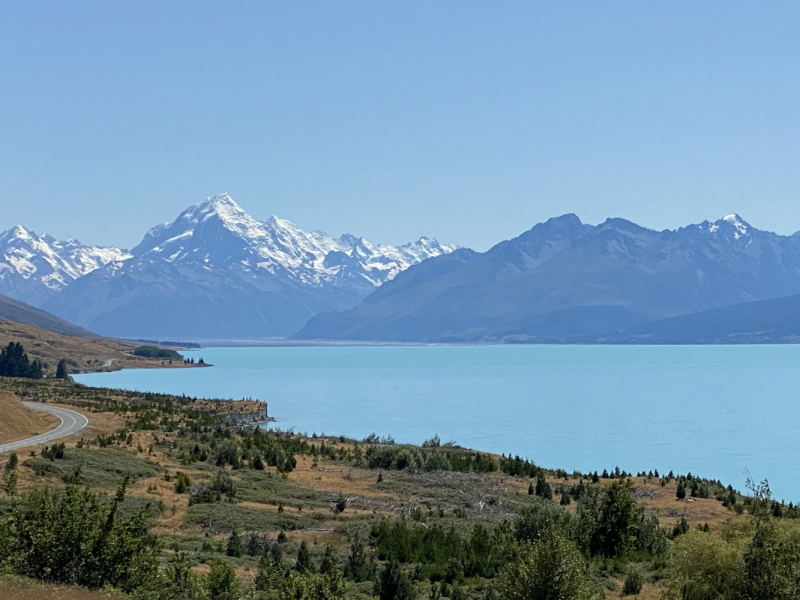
<point x="774" y="321"/>
<point x="216" y="272"/>
<point x="34" y="268"/>
<point x="19" y="312"/>
<point x="563" y="279"/>
<point x="83" y="354"/>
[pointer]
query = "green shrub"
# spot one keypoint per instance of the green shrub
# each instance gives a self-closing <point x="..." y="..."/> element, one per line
<point x="552" y="567"/>
<point x="704" y="566"/>
<point x="74" y="537"/>
<point x="221" y="582"/>
<point x="634" y="581"/>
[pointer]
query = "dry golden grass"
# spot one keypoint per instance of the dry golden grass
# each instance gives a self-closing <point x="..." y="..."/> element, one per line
<point x="319" y="538"/>
<point x="697" y="511"/>
<point x="18" y="588"/>
<point x="82" y="354"/>
<point x="100" y="423"/>
<point x="350" y="481"/>
<point x="19" y="422"/>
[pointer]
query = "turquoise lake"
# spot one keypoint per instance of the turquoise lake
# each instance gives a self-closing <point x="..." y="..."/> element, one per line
<point x="711" y="410"/>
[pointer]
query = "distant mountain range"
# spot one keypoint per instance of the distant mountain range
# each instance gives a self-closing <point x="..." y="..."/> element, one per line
<point x="214" y="272"/>
<point x="566" y="281"/>
<point x="218" y="273"/>
<point x="34" y="268"/>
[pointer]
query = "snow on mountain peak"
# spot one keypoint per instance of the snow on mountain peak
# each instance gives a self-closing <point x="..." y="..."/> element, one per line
<point x="731" y="224"/>
<point x="33" y="267"/>
<point x="227" y="211"/>
<point x="741" y="227"/>
<point x="275" y="245"/>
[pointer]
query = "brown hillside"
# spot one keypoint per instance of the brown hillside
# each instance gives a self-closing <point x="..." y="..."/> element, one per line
<point x="81" y="353"/>
<point x="18" y="422"/>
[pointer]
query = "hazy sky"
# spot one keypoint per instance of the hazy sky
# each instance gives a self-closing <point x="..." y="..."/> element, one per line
<point x="467" y="121"/>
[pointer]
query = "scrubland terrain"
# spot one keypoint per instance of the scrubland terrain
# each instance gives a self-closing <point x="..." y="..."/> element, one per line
<point x="273" y="507"/>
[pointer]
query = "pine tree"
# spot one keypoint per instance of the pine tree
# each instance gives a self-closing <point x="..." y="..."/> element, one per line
<point x="10" y="477"/>
<point x="222" y="582"/>
<point x="393" y="583"/>
<point x="681" y="491"/>
<point x="183" y="483"/>
<point x="61" y="370"/>
<point x="358" y="568"/>
<point x="303" y="564"/>
<point x="235" y="548"/>
<point x="269" y="575"/>
<point x="328" y="563"/>
<point x="543" y="489"/>
<point x="14" y="362"/>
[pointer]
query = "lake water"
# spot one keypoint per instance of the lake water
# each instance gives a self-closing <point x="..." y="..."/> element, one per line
<point x="711" y="410"/>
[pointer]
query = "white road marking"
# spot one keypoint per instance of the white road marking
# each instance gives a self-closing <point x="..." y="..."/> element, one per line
<point x="71" y="422"/>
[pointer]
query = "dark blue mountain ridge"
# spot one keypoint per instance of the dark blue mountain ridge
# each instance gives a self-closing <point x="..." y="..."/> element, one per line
<point x="563" y="279"/>
<point x="774" y="321"/>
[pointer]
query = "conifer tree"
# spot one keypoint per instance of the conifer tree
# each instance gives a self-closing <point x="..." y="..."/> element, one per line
<point x="681" y="491"/>
<point x="221" y="582"/>
<point x="303" y="564"/>
<point x="61" y="370"/>
<point x="358" y="568"/>
<point x="543" y="489"/>
<point x="235" y="548"/>
<point x="328" y="563"/>
<point x="393" y="583"/>
<point x="14" y="362"/>
<point x="10" y="477"/>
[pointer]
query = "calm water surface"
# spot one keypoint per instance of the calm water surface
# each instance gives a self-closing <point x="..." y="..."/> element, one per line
<point x="711" y="410"/>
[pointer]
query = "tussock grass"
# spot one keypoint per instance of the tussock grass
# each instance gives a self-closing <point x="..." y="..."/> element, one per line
<point x="222" y="517"/>
<point x="102" y="468"/>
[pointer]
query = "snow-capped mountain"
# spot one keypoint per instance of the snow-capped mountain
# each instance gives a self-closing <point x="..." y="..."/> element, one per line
<point x="217" y="233"/>
<point x="34" y="268"/>
<point x="217" y="272"/>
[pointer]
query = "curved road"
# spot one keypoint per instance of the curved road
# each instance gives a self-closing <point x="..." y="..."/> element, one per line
<point x="71" y="422"/>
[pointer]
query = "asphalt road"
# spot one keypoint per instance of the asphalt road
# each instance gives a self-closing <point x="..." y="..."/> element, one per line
<point x="71" y="422"/>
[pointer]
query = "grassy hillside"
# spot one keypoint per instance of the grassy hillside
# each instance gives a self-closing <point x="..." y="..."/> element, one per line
<point x="83" y="354"/>
<point x="19" y="422"/>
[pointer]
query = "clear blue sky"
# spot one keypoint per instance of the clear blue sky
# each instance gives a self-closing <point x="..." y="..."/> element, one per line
<point x="468" y="121"/>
